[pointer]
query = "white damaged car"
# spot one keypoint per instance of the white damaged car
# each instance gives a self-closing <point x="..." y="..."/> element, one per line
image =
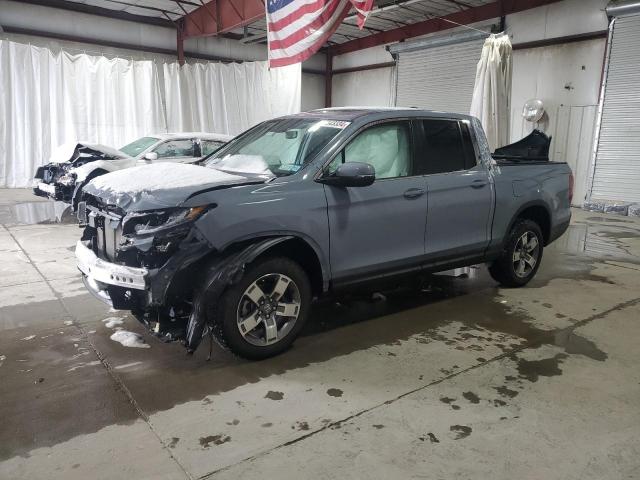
<point x="74" y="165"/>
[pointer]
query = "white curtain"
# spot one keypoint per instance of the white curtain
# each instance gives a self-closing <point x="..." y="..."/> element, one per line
<point x="492" y="89"/>
<point x="47" y="99"/>
<point x="230" y="98"/>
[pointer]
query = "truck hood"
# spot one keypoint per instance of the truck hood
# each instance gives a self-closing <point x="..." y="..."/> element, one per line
<point x="161" y="185"/>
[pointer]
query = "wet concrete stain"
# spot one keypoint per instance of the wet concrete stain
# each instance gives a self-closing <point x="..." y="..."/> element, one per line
<point x="334" y="392"/>
<point x="174" y="441"/>
<point x="460" y="431"/>
<point x="506" y="392"/>
<point x="378" y="426"/>
<point x="274" y="395"/>
<point x="447" y="400"/>
<point x="267" y="425"/>
<point x="37" y="213"/>
<point x="499" y="403"/>
<point x="472" y="397"/>
<point x="234" y="422"/>
<point x="205" y="442"/>
<point x="301" y="426"/>
<point x="431" y="437"/>
<point x="547" y="367"/>
<point x="75" y="465"/>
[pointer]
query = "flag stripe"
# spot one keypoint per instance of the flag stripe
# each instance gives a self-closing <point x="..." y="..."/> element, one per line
<point x="309" y="21"/>
<point x="296" y="29"/>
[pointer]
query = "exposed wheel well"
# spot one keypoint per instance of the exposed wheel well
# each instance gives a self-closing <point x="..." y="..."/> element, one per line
<point x="540" y="215"/>
<point x="302" y="253"/>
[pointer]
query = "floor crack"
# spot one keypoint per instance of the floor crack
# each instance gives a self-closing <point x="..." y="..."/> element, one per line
<point x="112" y="374"/>
<point x="535" y="342"/>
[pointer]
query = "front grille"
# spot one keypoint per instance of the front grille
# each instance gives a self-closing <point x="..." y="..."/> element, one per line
<point x="108" y="233"/>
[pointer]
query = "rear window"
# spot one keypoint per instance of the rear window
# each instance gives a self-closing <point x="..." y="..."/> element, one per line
<point x="443" y="148"/>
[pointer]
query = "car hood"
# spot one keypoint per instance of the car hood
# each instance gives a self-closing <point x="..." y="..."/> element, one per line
<point x="162" y="185"/>
<point x="71" y="152"/>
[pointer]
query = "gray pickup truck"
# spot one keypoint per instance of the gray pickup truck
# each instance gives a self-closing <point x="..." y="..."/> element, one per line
<point x="309" y="205"/>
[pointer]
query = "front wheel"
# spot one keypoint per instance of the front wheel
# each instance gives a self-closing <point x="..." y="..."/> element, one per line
<point x="521" y="256"/>
<point x="263" y="313"/>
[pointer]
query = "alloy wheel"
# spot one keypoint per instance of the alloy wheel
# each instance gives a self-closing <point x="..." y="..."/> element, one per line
<point x="525" y="254"/>
<point x="268" y="309"/>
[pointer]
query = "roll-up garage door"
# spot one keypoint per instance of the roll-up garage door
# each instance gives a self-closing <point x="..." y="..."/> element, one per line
<point x="617" y="163"/>
<point x="439" y="77"/>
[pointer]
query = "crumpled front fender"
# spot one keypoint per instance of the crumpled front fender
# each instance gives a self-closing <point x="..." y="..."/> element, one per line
<point x="224" y="271"/>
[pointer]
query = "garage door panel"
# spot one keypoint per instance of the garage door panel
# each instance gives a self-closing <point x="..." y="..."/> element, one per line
<point x="439" y="78"/>
<point x="617" y="166"/>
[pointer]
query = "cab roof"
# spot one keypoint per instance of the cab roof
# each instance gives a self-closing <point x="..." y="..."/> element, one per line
<point x="358" y="113"/>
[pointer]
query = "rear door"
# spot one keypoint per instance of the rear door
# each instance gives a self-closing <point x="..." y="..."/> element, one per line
<point x="378" y="229"/>
<point x="460" y="195"/>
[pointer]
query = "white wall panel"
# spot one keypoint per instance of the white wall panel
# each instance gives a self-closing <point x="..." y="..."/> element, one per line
<point x="566" y="78"/>
<point x="312" y="92"/>
<point x="559" y="19"/>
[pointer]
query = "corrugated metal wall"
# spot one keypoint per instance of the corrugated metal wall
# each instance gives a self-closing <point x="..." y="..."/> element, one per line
<point x="572" y="129"/>
<point x="438" y="78"/>
<point x="617" y="165"/>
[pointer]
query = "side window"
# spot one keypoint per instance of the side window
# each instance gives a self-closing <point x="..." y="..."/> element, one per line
<point x="442" y="149"/>
<point x="175" y="148"/>
<point x="210" y="146"/>
<point x="386" y="147"/>
<point x="470" y="159"/>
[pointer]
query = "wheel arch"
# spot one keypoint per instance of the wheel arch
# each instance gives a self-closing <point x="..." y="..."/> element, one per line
<point x="538" y="212"/>
<point x="293" y="246"/>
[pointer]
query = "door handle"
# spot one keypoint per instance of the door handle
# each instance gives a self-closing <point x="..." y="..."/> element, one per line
<point x="478" y="183"/>
<point x="414" y="193"/>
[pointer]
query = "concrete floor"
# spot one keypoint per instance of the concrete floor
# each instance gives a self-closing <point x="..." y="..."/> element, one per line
<point x="466" y="380"/>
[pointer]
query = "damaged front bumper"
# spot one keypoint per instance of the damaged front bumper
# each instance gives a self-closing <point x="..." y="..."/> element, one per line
<point x="53" y="181"/>
<point x="100" y="274"/>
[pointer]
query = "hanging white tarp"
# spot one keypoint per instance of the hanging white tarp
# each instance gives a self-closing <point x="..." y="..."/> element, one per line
<point x="50" y="98"/>
<point x="229" y="98"/>
<point x="492" y="89"/>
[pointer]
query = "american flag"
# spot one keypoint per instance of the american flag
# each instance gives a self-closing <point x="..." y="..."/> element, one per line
<point x="298" y="28"/>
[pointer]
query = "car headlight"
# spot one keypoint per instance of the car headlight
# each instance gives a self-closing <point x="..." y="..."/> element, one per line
<point x="155" y="221"/>
<point x="67" y="180"/>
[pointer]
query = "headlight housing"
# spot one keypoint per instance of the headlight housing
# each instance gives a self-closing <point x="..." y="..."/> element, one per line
<point x="149" y="223"/>
<point x="67" y="180"/>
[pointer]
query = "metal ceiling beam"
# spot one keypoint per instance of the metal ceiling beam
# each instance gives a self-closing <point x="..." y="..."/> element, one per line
<point x="220" y="16"/>
<point x="464" y="17"/>
<point x="102" y="12"/>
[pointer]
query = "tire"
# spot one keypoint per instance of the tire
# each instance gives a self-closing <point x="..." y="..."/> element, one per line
<point x="235" y="324"/>
<point x="512" y="269"/>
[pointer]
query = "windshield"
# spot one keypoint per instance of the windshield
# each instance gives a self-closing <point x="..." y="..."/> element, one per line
<point x="135" y="148"/>
<point x="277" y="147"/>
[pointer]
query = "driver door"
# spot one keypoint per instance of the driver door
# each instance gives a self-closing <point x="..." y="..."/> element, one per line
<point x="378" y="229"/>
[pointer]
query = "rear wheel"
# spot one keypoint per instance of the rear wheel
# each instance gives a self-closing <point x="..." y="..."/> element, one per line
<point x="263" y="313"/>
<point x="521" y="256"/>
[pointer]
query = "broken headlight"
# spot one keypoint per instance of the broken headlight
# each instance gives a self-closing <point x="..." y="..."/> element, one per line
<point x="67" y="180"/>
<point x="148" y="223"/>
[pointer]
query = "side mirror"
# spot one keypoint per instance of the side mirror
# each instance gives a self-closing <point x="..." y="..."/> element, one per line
<point x="151" y="156"/>
<point x="351" y="174"/>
